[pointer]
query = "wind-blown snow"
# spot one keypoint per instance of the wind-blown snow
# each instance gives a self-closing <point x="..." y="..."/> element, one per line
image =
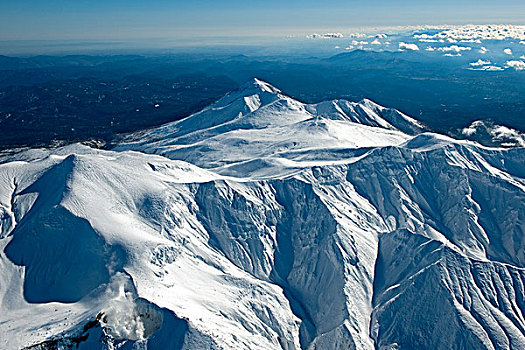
<point x="265" y="223"/>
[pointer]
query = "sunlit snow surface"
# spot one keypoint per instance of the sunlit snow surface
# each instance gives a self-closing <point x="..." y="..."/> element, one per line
<point x="265" y="223"/>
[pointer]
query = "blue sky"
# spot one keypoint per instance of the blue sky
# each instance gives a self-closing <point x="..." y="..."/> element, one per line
<point x="132" y="19"/>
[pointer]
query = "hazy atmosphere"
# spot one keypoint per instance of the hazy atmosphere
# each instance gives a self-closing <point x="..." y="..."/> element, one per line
<point x="119" y="19"/>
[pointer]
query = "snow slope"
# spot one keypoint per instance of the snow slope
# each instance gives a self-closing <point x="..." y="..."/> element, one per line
<point x="265" y="223"/>
<point x="259" y="122"/>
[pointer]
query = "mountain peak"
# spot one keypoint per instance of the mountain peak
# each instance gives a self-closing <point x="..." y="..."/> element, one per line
<point x="258" y="121"/>
<point x="259" y="85"/>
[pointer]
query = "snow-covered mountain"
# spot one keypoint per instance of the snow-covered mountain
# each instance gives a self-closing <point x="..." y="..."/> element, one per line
<point x="265" y="223"/>
<point x="259" y="124"/>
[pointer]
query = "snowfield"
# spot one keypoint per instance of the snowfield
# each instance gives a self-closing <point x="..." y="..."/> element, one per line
<point x="265" y="223"/>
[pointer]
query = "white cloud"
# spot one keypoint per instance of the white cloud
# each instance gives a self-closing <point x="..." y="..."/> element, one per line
<point x="381" y="36"/>
<point x="454" y="50"/>
<point x="517" y="65"/>
<point x="472" y="128"/>
<point x="483" y="49"/>
<point x="375" y="42"/>
<point x="430" y="48"/>
<point x="473" y="33"/>
<point x="406" y="46"/>
<point x="497" y="134"/>
<point x="511" y="136"/>
<point x="358" y="43"/>
<point x="357" y="35"/>
<point x="477" y="41"/>
<point x="431" y="40"/>
<point x="493" y="68"/>
<point x="488" y="68"/>
<point x="480" y="62"/>
<point x="325" y="36"/>
<point x="508" y="51"/>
